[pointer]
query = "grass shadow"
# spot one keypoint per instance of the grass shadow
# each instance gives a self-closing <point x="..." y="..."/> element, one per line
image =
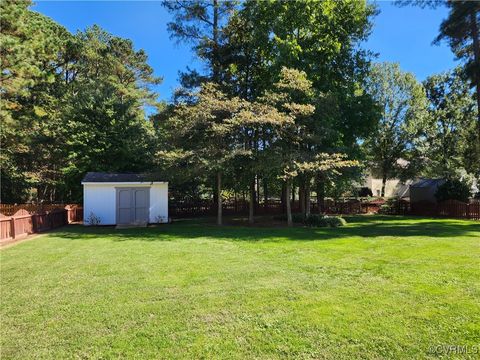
<point x="359" y="226"/>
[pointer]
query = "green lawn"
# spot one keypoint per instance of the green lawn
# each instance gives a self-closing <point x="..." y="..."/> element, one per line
<point x="382" y="287"/>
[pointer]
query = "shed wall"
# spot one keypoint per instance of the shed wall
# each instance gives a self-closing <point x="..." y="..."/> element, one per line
<point x="100" y="199"/>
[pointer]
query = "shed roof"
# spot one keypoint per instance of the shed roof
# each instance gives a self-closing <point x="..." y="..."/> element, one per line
<point x="426" y="183"/>
<point x="102" y="177"/>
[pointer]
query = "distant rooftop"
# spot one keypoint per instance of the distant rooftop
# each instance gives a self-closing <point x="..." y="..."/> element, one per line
<point x="119" y="177"/>
<point x="425" y="183"/>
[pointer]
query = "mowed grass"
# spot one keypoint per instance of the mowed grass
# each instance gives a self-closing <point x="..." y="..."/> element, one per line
<point x="382" y="287"/>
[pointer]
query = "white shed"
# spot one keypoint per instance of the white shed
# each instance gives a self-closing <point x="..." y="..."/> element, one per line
<point x="124" y="199"/>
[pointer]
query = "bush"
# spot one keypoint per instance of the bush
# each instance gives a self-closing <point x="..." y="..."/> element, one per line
<point x="324" y="221"/>
<point x="315" y="220"/>
<point x="453" y="190"/>
<point x="92" y="220"/>
<point x="388" y="207"/>
<point x="365" y="192"/>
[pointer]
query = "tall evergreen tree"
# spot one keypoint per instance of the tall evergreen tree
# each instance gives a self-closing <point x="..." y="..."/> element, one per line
<point x="29" y="47"/>
<point x="70" y="104"/>
<point x="201" y="23"/>
<point x="461" y="29"/>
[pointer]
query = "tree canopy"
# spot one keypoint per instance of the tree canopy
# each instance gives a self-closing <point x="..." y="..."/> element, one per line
<point x="288" y="105"/>
<point x="73" y="103"/>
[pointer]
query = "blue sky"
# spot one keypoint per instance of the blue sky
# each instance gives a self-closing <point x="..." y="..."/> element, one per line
<point x="402" y="35"/>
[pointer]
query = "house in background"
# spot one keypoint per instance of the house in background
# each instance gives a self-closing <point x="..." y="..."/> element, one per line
<point x="124" y="199"/>
<point x="425" y="189"/>
<point x="393" y="187"/>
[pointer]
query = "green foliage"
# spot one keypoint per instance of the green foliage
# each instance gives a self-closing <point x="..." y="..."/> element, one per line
<point x="389" y="206"/>
<point x="461" y="29"/>
<point x="29" y="44"/>
<point x="365" y="192"/>
<point x="92" y="220"/>
<point x="403" y="107"/>
<point x="70" y="104"/>
<point x="447" y="141"/>
<point x="288" y="97"/>
<point x="315" y="220"/>
<point x="453" y="189"/>
<point x="285" y="56"/>
<point x="201" y="23"/>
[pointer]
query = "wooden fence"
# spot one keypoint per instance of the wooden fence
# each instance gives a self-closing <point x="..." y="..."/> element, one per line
<point x="270" y="207"/>
<point x="448" y="208"/>
<point x="24" y="222"/>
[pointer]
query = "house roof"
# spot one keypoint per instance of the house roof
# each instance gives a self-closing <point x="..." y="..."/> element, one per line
<point x="102" y="177"/>
<point x="426" y="183"/>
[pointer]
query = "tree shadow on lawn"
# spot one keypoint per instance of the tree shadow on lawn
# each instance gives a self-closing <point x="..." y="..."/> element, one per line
<point x="359" y="226"/>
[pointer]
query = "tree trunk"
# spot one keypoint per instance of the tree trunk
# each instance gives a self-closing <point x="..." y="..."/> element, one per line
<point x="235" y="201"/>
<point x="283" y="198"/>
<point x="257" y="193"/>
<point x="215" y="60"/>
<point x="307" y="197"/>
<point x="293" y="194"/>
<point x="251" y="204"/>
<point x="384" y="182"/>
<point x="219" y="198"/>
<point x="265" y="195"/>
<point x="476" y="60"/>
<point x="289" y="207"/>
<point x="244" y="200"/>
<point x="301" y="197"/>
<point x="214" y="207"/>
<point x="320" y="193"/>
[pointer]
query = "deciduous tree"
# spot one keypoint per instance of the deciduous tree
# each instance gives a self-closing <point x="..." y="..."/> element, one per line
<point x="403" y="106"/>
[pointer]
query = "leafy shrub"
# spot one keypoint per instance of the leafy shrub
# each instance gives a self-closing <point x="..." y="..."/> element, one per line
<point x="365" y="192"/>
<point x="388" y="207"/>
<point x="453" y="190"/>
<point x="92" y="220"/>
<point x="315" y="220"/>
<point x="384" y="209"/>
<point x="336" y="221"/>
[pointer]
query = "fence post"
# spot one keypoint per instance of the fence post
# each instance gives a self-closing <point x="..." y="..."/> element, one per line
<point x="12" y="227"/>
<point x="34" y="223"/>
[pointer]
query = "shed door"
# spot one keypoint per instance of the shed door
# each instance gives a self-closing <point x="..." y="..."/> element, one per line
<point x="132" y="205"/>
<point x="140" y="208"/>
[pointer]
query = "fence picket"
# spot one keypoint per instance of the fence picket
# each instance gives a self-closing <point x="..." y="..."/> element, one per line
<point x="35" y="219"/>
<point x="449" y="208"/>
